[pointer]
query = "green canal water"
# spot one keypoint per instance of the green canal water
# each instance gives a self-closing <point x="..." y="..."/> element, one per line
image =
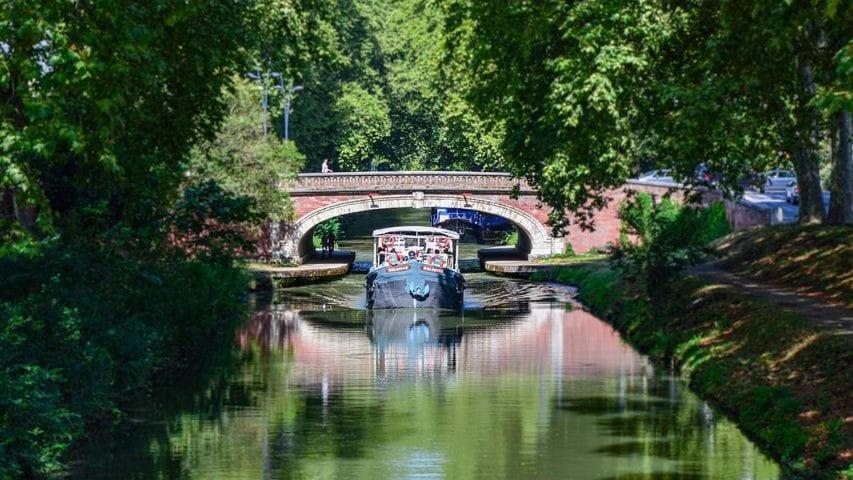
<point x="521" y="385"/>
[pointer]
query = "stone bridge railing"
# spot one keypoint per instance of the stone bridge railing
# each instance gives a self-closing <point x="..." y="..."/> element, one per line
<point x="403" y="182"/>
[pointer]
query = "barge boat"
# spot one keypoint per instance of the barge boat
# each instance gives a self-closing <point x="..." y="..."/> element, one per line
<point x="415" y="267"/>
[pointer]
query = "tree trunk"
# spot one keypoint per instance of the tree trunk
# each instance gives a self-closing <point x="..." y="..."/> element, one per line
<point x="806" y="159"/>
<point x="841" y="191"/>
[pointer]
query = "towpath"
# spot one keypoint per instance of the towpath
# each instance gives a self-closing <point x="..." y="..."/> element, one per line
<point x="833" y="317"/>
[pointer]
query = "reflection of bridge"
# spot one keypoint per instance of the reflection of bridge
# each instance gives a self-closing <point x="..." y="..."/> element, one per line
<point x="321" y="196"/>
<point x="546" y="337"/>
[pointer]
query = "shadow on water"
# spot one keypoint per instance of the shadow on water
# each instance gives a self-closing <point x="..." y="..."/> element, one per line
<point x="605" y="405"/>
<point x="518" y="385"/>
<point x="657" y="476"/>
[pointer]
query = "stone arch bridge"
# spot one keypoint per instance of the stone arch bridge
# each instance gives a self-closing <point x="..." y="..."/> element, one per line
<point x="318" y="197"/>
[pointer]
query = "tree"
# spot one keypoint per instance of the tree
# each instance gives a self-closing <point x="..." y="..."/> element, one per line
<point x="565" y="83"/>
<point x="837" y="102"/>
<point x="364" y="125"/>
<point x="761" y="69"/>
<point x="669" y="237"/>
<point x="99" y="108"/>
<point x="244" y="162"/>
<point x="394" y="51"/>
<point x="584" y="92"/>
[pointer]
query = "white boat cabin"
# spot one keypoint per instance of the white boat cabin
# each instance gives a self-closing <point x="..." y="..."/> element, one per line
<point x="434" y="246"/>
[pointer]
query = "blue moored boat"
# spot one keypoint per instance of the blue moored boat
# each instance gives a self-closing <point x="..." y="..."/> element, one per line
<point x="415" y="267"/>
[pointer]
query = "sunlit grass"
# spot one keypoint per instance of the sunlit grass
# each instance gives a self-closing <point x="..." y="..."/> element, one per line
<point x="571" y="259"/>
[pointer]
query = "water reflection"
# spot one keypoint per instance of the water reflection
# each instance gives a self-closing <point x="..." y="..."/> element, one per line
<point x="525" y="389"/>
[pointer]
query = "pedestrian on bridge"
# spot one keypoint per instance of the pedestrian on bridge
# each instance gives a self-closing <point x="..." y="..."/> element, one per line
<point x="325" y="168"/>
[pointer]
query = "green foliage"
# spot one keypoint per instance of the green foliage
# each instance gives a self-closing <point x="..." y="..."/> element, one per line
<point x="212" y="225"/>
<point x="566" y="84"/>
<point x="101" y="108"/>
<point x="509" y="238"/>
<point x="389" y="99"/>
<point x="363" y="125"/>
<point x="289" y="36"/>
<point x="581" y="94"/>
<point x="242" y="161"/>
<point x="80" y="334"/>
<point x="329" y="227"/>
<point x="668" y="236"/>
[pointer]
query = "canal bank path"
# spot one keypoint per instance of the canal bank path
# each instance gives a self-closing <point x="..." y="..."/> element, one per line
<point x="315" y="269"/>
<point x="833" y="317"/>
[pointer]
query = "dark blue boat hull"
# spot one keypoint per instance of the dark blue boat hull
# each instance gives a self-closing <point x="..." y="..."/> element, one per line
<point x="414" y="285"/>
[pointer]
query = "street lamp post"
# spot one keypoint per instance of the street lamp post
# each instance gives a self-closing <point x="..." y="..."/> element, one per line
<point x="288" y="92"/>
<point x="288" y="96"/>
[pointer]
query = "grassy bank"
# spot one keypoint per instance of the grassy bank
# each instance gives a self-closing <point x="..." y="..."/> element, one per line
<point x="84" y="332"/>
<point x="816" y="260"/>
<point x="783" y="380"/>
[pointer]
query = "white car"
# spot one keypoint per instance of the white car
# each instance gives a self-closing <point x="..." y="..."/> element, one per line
<point x="779" y="178"/>
<point x="662" y="175"/>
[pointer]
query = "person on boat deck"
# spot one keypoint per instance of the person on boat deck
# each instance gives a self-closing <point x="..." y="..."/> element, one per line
<point x="441" y="246"/>
<point x="431" y="246"/>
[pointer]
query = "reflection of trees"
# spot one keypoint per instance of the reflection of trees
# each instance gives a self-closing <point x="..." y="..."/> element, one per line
<point x="269" y="328"/>
<point x="552" y="394"/>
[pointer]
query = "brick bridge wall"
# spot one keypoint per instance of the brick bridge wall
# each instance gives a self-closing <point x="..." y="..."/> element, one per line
<point x="317" y="197"/>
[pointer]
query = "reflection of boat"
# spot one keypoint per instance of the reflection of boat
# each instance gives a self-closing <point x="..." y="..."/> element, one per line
<point x="415" y="267"/>
<point x="411" y="341"/>
<point x="411" y="327"/>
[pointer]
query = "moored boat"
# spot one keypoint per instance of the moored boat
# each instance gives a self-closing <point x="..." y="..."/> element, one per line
<point x="415" y="267"/>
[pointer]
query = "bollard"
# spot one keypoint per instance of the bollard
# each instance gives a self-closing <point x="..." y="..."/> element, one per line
<point x="777" y="217"/>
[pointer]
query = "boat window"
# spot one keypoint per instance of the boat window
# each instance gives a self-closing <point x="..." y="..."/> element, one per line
<point x="434" y="250"/>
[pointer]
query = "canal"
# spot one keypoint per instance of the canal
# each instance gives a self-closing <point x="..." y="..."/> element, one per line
<point x="522" y="384"/>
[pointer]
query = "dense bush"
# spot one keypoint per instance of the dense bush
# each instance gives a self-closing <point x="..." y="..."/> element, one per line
<point x="82" y="331"/>
<point x="212" y="224"/>
<point x="332" y="226"/>
<point x="508" y="238"/>
<point x="666" y="237"/>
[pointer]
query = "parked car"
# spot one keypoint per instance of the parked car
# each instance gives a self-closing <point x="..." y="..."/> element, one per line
<point x="661" y="175"/>
<point x="779" y="178"/>
<point x="792" y="193"/>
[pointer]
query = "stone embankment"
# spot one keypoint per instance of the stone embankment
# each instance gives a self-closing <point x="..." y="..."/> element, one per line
<point x="318" y="268"/>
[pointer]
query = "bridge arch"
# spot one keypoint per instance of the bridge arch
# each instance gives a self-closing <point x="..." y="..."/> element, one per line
<point x="535" y="237"/>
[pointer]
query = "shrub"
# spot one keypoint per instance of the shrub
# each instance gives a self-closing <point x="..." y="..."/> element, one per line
<point x="331" y="226"/>
<point x="508" y="238"/>
<point x="668" y="236"/>
<point x="209" y="223"/>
